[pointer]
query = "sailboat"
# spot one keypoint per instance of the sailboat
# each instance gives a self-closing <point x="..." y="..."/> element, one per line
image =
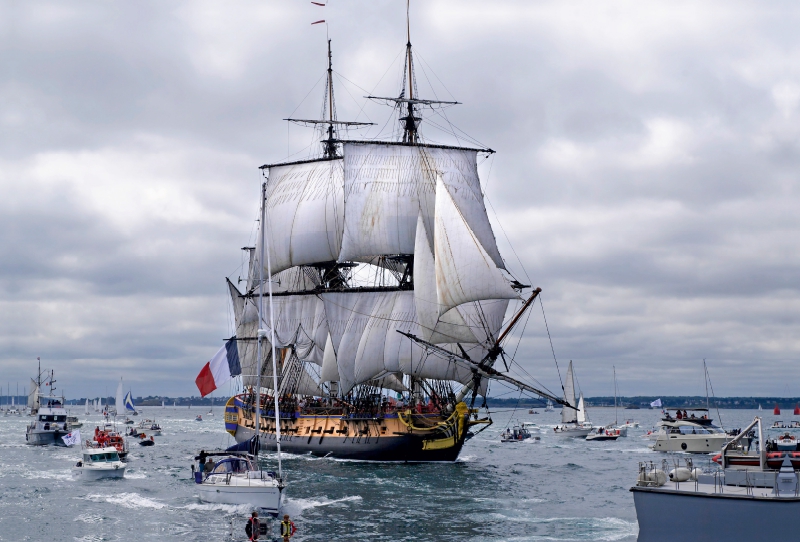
<point x="549" y="407"/>
<point x="573" y="421"/>
<point x="211" y="409"/>
<point x="403" y="354"/>
<point x="119" y="402"/>
<point x="237" y="478"/>
<point x="86" y="408"/>
<point x="129" y="406"/>
<point x="162" y="404"/>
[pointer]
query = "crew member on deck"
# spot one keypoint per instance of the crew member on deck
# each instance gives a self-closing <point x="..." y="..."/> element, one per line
<point x="287" y="528"/>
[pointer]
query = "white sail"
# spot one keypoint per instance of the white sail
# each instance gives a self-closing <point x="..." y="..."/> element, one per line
<point x="348" y="315"/>
<point x="120" y="399"/>
<point x="330" y="371"/>
<point x="569" y="414"/>
<point x="451" y="326"/>
<point x="387" y="186"/>
<point x="162" y="403"/>
<point x="33" y="396"/>
<point x="582" y="417"/>
<point x="86" y="408"/>
<point x="464" y="270"/>
<point x="369" y="360"/>
<point x="304" y="214"/>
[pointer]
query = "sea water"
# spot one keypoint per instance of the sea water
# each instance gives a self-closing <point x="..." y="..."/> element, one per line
<point x="554" y="488"/>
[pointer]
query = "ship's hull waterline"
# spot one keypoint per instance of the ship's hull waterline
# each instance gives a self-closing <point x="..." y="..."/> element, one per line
<point x="371" y="439"/>
<point x="45" y="438"/>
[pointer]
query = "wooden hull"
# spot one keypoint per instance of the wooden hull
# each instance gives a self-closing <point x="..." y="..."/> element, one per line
<point x="387" y="438"/>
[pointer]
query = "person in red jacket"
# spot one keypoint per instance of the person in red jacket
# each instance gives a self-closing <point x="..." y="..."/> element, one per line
<point x="287" y="528"/>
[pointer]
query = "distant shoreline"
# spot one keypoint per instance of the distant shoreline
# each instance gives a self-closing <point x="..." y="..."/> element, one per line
<point x="667" y="401"/>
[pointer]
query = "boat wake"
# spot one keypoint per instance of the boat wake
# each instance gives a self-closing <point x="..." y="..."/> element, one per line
<point x="297" y="506"/>
<point x="574" y="529"/>
<point x="216" y="507"/>
<point x="128" y="500"/>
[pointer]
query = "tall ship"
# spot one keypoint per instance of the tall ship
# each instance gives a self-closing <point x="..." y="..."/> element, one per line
<point x="50" y="416"/>
<point x="389" y="296"/>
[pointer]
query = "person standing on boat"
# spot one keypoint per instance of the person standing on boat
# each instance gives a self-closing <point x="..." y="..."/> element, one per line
<point x="253" y="527"/>
<point x="287" y="528"/>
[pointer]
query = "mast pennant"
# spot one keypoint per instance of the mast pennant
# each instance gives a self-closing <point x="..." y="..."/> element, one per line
<point x="220" y="369"/>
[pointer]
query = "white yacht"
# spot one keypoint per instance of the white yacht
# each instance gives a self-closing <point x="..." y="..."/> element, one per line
<point x="574" y="422"/>
<point x="748" y="498"/>
<point x="693" y="434"/>
<point x="236" y="479"/>
<point x="99" y="463"/>
<point x="50" y="422"/>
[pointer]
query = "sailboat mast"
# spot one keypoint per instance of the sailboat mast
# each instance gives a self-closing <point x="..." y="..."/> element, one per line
<point x="261" y="332"/>
<point x="272" y="340"/>
<point x="616" y="421"/>
<point x="705" y="380"/>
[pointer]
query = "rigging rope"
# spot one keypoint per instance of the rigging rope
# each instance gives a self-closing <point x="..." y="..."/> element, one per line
<point x="552" y="349"/>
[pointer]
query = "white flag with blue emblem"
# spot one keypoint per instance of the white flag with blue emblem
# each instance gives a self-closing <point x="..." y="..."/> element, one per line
<point x="72" y="438"/>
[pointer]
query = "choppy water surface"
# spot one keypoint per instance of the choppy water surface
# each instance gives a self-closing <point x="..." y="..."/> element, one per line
<point x="553" y="489"/>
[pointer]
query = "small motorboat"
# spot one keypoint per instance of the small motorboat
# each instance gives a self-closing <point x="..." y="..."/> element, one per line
<point x="786" y="443"/>
<point x="108" y="437"/>
<point x="128" y="421"/>
<point x="73" y="422"/>
<point x="518" y="433"/>
<point x="150" y="427"/>
<point x="630" y="424"/>
<point x="99" y="463"/>
<point x="147" y="441"/>
<point x="199" y="418"/>
<point x="531" y="411"/>
<point x="604" y="433"/>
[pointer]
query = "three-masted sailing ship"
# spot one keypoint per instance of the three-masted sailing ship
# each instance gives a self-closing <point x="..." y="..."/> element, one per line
<point x="389" y="296"/>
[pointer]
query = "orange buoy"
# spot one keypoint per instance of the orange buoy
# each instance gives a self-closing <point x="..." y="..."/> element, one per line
<point x="796" y="409"/>
<point x="777" y="410"/>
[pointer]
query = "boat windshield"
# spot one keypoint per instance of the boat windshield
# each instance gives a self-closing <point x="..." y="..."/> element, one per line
<point x="52" y="418"/>
<point x="693" y="430"/>
<point x="108" y="456"/>
<point x="231" y="465"/>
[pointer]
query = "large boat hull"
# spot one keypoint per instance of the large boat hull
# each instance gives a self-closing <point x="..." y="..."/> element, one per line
<point x="89" y="474"/>
<point x="394" y="437"/>
<point x="45" y="438"/>
<point x="268" y="499"/>
<point x="666" y="516"/>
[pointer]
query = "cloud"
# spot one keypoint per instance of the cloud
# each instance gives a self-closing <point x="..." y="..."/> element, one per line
<point x="646" y="174"/>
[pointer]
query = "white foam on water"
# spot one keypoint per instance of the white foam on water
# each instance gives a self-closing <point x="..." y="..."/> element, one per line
<point x="89" y="518"/>
<point x="465" y="459"/>
<point x="135" y="475"/>
<point x="128" y="500"/>
<point x="606" y="529"/>
<point x="49" y="474"/>
<point x="89" y="538"/>
<point x="216" y="507"/>
<point x="297" y="506"/>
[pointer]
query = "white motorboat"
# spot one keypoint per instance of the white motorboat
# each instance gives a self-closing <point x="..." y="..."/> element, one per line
<point x="604" y="433"/>
<point x="630" y="424"/>
<point x="786" y="443"/>
<point x="149" y="428"/>
<point x="234" y="478"/>
<point x="99" y="463"/>
<point x="746" y="499"/>
<point x="574" y="422"/>
<point x="74" y="422"/>
<point x="518" y="433"/>
<point x="695" y="434"/>
<point x="50" y="423"/>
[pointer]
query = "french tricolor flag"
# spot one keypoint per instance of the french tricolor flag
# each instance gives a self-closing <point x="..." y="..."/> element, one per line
<point x="222" y="367"/>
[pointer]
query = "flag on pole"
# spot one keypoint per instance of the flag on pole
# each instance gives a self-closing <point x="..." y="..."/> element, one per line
<point x="656" y="403"/>
<point x="222" y="367"/>
<point x="73" y="438"/>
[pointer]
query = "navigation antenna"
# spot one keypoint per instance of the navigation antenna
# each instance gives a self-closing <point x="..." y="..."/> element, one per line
<point x="410" y="122"/>
<point x="330" y="147"/>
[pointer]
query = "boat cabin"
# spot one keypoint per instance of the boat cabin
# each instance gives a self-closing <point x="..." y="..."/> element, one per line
<point x="232" y="463"/>
<point x="690" y="427"/>
<point x="103" y="455"/>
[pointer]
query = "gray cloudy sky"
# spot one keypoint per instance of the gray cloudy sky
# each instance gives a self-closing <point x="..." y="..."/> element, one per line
<point x="646" y="174"/>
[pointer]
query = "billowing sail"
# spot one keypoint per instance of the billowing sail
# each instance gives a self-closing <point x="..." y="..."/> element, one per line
<point x="581" y="410"/>
<point x="33" y="396"/>
<point x="304" y="214"/>
<point x="464" y="270"/>
<point x="128" y="403"/>
<point x="387" y="186"/>
<point x="119" y="404"/>
<point x="330" y="371"/>
<point x="569" y="414"/>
